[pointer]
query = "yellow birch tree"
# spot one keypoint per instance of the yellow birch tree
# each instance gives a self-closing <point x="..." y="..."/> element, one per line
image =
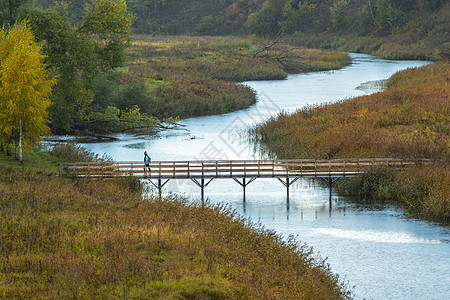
<point x="24" y="87"/>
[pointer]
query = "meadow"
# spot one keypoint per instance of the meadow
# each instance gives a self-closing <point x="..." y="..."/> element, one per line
<point x="194" y="76"/>
<point x="84" y="239"/>
<point x="410" y="119"/>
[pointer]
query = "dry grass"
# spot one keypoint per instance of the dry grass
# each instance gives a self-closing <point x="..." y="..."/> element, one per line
<point x="94" y="239"/>
<point x="409" y="120"/>
<point x="192" y="76"/>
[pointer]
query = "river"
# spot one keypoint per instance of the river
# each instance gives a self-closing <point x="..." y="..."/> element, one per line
<point x="377" y="250"/>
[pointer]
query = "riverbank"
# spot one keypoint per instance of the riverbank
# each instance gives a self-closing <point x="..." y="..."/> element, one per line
<point x="85" y="239"/>
<point x="410" y="119"/>
<point x="189" y="76"/>
<point x="396" y="47"/>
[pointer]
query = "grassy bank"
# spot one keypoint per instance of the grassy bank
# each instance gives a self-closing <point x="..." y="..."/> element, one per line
<point x="410" y="119"/>
<point x="193" y="76"/>
<point x="400" y="47"/>
<point x="422" y="36"/>
<point x="100" y="239"/>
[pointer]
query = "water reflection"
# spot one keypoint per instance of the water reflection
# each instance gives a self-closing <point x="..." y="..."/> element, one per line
<point x="267" y="198"/>
<point x="376" y="236"/>
<point x="383" y="254"/>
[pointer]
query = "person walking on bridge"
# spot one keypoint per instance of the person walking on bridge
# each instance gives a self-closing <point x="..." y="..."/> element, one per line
<point x="147" y="161"/>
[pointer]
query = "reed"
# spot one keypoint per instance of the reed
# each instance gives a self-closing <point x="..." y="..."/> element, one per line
<point x="401" y="46"/>
<point x="102" y="239"/>
<point x="193" y="76"/>
<point x="409" y="120"/>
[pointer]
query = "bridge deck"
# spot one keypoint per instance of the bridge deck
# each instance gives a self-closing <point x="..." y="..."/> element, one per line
<point x="242" y="171"/>
<point x="231" y="169"/>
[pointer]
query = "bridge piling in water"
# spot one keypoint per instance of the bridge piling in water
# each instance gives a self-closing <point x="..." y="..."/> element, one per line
<point x="244" y="183"/>
<point x="243" y="172"/>
<point x="202" y="185"/>
<point x="159" y="185"/>
<point x="288" y="183"/>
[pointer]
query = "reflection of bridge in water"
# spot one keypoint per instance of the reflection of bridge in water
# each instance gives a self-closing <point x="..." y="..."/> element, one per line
<point x="243" y="172"/>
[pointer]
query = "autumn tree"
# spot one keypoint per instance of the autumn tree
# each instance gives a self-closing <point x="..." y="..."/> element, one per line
<point x="24" y="87"/>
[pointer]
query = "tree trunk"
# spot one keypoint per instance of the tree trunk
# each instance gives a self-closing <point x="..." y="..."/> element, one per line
<point x="371" y="12"/>
<point x="16" y="150"/>
<point x="8" y="149"/>
<point x="1" y="147"/>
<point x="20" y="141"/>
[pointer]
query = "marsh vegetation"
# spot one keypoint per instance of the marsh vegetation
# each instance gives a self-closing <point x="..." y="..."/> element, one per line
<point x="194" y="76"/>
<point x="88" y="239"/>
<point x="408" y="120"/>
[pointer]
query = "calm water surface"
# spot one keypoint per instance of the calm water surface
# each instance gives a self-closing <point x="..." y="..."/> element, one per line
<point x="377" y="250"/>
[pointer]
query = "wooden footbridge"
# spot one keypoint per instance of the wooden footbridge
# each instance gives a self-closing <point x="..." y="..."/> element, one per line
<point x="244" y="172"/>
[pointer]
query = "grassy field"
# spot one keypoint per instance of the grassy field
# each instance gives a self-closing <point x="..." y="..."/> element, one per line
<point x="409" y="120"/>
<point x="102" y="239"/>
<point x="193" y="76"/>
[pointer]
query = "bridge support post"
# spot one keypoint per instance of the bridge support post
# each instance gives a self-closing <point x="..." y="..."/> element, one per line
<point x="288" y="183"/>
<point x="159" y="185"/>
<point x="330" y="182"/>
<point x="202" y="185"/>
<point x="203" y="188"/>
<point x="244" y="183"/>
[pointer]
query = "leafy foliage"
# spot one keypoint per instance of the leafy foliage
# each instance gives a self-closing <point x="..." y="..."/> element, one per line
<point x="11" y="11"/>
<point x="24" y="86"/>
<point x="339" y="14"/>
<point x="77" y="54"/>
<point x="296" y="16"/>
<point x="268" y="17"/>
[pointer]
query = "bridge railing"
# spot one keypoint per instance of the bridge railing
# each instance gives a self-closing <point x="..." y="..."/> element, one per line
<point x="232" y="168"/>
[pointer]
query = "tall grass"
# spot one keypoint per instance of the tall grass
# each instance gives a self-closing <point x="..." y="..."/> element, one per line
<point x="72" y="152"/>
<point x="400" y="46"/>
<point x="423" y="191"/>
<point x="192" y="76"/>
<point x="95" y="239"/>
<point x="409" y="120"/>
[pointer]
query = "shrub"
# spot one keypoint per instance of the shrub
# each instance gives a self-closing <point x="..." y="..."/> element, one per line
<point x="71" y="152"/>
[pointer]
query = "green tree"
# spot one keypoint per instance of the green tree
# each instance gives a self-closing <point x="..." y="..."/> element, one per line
<point x="265" y="21"/>
<point x="108" y="23"/>
<point x="338" y="13"/>
<point x="77" y="54"/>
<point x="11" y="10"/>
<point x="24" y="87"/>
<point x="72" y="58"/>
<point x="389" y="16"/>
<point x="296" y="15"/>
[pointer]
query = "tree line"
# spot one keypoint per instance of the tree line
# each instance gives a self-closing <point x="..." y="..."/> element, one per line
<point x="50" y="63"/>
<point x="79" y="48"/>
<point x="268" y="17"/>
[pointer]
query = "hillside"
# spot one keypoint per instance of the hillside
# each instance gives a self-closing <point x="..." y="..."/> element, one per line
<point x="417" y="29"/>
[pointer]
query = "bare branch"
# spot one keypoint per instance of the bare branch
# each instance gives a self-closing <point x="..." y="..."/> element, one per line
<point x="279" y="36"/>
